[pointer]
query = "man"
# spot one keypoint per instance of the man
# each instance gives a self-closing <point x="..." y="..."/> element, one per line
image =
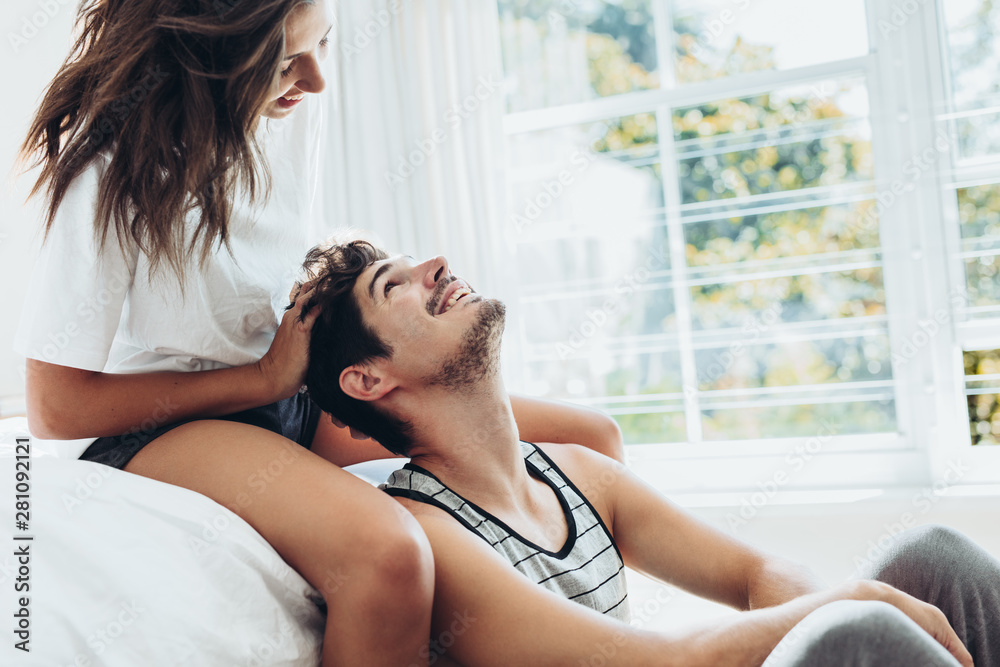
<point x="530" y="541"/>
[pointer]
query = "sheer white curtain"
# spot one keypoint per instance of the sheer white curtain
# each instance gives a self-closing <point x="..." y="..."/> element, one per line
<point x="414" y="137"/>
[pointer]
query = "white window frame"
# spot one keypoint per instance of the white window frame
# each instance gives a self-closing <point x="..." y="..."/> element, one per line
<point x="930" y="404"/>
<point x="939" y="219"/>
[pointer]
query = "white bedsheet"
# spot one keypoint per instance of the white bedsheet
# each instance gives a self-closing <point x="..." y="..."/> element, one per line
<point x="127" y="571"/>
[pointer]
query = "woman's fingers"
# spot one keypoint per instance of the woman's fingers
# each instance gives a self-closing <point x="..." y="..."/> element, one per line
<point x="298" y="289"/>
<point x="303" y="299"/>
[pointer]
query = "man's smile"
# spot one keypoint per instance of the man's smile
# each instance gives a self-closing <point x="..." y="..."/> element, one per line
<point x="447" y="295"/>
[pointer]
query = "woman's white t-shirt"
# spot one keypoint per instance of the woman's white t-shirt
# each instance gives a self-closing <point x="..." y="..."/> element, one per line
<point x="100" y="311"/>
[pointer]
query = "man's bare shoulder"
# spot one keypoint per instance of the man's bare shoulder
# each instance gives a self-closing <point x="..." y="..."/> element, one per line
<point x="578" y="462"/>
<point x="594" y="474"/>
<point x="433" y="517"/>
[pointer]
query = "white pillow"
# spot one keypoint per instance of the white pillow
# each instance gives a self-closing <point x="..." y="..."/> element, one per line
<point x="125" y="570"/>
<point x="17" y="427"/>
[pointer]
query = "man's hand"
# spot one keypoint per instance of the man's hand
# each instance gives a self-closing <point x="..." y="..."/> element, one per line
<point x="927" y="616"/>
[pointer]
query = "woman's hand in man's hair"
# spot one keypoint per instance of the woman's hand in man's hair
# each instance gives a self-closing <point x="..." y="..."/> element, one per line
<point x="283" y="367"/>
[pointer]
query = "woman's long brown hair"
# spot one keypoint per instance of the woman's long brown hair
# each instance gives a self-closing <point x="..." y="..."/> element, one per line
<point x="172" y="90"/>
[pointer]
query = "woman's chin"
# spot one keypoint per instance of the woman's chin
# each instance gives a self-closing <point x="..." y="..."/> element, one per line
<point x="273" y="111"/>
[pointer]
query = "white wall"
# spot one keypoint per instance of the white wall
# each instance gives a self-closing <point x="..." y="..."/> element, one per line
<point x="34" y="40"/>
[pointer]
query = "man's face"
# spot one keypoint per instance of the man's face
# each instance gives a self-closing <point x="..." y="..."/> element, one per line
<point x="441" y="332"/>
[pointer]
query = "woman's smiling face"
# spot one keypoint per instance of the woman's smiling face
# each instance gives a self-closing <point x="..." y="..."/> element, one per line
<point x="307" y="33"/>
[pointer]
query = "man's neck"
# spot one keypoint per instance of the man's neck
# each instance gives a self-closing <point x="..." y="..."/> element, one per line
<point x="469" y="440"/>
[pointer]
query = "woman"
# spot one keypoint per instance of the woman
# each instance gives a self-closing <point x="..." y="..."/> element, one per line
<point x="176" y="218"/>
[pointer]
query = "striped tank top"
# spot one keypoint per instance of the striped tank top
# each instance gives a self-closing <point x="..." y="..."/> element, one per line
<point x="588" y="569"/>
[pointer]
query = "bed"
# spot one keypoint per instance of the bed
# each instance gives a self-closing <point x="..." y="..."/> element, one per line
<point x="124" y="571"/>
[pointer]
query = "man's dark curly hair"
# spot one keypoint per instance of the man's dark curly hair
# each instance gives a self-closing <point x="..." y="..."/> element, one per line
<point x="340" y="338"/>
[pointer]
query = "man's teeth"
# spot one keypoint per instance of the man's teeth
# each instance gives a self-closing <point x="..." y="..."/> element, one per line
<point x="459" y="293"/>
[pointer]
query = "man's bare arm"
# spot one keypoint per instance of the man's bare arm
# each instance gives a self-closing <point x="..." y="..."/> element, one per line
<point x="777" y="580"/>
<point x="669" y="543"/>
<point x="664" y="541"/>
<point x="496" y="616"/>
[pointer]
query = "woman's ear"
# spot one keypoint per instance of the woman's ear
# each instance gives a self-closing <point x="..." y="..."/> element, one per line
<point x="365" y="383"/>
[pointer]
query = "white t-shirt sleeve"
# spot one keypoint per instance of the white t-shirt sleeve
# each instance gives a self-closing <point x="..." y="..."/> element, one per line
<point x="76" y="294"/>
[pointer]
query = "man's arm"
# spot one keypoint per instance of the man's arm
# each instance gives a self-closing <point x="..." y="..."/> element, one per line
<point x="668" y="543"/>
<point x="777" y="580"/>
<point x="545" y="420"/>
<point x="494" y="615"/>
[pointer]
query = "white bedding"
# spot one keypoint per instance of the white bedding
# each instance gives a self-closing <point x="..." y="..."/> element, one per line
<point x="127" y="571"/>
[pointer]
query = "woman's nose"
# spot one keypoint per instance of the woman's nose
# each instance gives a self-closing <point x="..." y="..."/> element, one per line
<point x="312" y="80"/>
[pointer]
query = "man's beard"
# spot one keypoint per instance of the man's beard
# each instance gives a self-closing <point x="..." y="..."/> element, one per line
<point x="479" y="356"/>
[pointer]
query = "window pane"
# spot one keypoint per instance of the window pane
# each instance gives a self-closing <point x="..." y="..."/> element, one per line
<point x="979" y="214"/>
<point x="973" y="57"/>
<point x="719" y="38"/>
<point x="559" y="179"/>
<point x="848" y="418"/>
<point x="743" y="365"/>
<point x="565" y="51"/>
<point x="605" y="374"/>
<point x="784" y="261"/>
<point x="983" y="283"/>
<point x="783" y="235"/>
<point x="644" y="428"/>
<point x="791" y="139"/>
<point x="617" y="265"/>
<point x="773" y="215"/>
<point x="982" y="388"/>
<point x="570" y="324"/>
<point x="597" y="300"/>
<point x="803" y="298"/>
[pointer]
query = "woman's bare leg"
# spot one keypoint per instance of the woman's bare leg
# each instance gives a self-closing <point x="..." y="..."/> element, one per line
<point x="357" y="546"/>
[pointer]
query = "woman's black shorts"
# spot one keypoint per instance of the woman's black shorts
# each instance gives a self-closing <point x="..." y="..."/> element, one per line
<point x="295" y="418"/>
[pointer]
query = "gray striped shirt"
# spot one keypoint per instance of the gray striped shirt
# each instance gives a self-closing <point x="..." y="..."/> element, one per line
<point x="588" y="569"/>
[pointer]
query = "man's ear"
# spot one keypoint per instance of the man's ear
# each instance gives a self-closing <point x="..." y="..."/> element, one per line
<point x="365" y="382"/>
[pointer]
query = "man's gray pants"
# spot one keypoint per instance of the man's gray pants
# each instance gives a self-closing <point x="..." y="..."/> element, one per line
<point x="935" y="564"/>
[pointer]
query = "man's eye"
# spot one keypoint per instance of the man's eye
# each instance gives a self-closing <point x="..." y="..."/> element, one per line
<point x="388" y="286"/>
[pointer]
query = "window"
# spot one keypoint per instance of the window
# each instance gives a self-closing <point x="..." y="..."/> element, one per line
<point x="712" y="211"/>
<point x="969" y="34"/>
<point x="982" y="382"/>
